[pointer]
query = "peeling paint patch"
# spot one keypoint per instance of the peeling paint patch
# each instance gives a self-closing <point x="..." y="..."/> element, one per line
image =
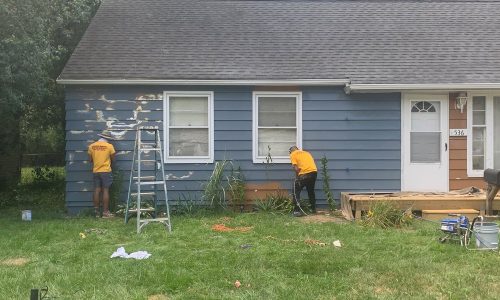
<point x="87" y="107"/>
<point x="135" y="115"/>
<point x="99" y="116"/>
<point x="103" y="97"/>
<point x="110" y="125"/>
<point x="149" y="97"/>
<point x="77" y="131"/>
<point x="118" y="135"/>
<point x="172" y="176"/>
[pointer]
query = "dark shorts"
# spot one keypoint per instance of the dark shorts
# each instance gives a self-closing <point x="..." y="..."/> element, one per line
<point x="103" y="179"/>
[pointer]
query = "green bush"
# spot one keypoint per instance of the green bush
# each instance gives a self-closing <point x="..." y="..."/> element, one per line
<point x="214" y="191"/>
<point x="385" y="214"/>
<point x="41" y="187"/>
<point x="236" y="187"/>
<point x="277" y="203"/>
<point x="188" y="205"/>
<point x="326" y="183"/>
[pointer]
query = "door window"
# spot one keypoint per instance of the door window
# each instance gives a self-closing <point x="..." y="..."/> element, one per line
<point x="425" y="132"/>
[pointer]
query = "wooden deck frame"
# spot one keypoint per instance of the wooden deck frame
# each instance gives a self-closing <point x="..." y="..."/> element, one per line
<point x="360" y="202"/>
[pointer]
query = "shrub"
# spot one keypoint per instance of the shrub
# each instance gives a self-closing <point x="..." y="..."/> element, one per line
<point x="115" y="190"/>
<point x="214" y="193"/>
<point x="43" y="175"/>
<point x="236" y="187"/>
<point x="326" y="183"/>
<point x="277" y="202"/>
<point x="186" y="204"/>
<point x="385" y="214"/>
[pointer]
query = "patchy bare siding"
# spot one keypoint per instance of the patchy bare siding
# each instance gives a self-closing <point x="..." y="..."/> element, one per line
<point x="359" y="134"/>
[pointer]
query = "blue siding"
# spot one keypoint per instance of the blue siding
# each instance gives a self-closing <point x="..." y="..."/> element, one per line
<point x="359" y="134"/>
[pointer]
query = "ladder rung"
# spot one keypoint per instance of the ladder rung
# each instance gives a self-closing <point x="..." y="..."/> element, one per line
<point x="142" y="209"/>
<point x="149" y="128"/>
<point x="144" y="194"/>
<point x="150" y="182"/>
<point x="148" y="160"/>
<point x="145" y="177"/>
<point x="150" y="149"/>
<point x="154" y="220"/>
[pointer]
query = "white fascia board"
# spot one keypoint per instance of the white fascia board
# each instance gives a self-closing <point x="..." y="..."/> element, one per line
<point x="274" y="82"/>
<point x="352" y="88"/>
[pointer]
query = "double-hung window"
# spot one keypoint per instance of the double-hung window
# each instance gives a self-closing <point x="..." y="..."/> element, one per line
<point x="277" y="125"/>
<point x="188" y="127"/>
<point x="483" y="141"/>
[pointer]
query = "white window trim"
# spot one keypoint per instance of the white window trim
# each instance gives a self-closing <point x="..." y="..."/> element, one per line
<point x="488" y="151"/>
<point x="255" y="118"/>
<point x="188" y="159"/>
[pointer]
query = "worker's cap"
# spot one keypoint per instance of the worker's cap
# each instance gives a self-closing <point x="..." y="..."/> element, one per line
<point x="293" y="148"/>
<point x="106" y="134"/>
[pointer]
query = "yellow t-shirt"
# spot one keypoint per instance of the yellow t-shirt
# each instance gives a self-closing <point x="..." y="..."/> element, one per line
<point x="101" y="152"/>
<point x="304" y="161"/>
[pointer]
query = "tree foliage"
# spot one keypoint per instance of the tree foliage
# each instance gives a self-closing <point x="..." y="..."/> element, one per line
<point x="36" y="39"/>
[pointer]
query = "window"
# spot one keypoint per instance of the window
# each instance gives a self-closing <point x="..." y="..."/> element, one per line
<point x="483" y="141"/>
<point x="277" y="125"/>
<point x="188" y="127"/>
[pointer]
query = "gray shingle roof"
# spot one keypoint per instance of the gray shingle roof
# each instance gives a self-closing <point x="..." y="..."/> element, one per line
<point x="393" y="42"/>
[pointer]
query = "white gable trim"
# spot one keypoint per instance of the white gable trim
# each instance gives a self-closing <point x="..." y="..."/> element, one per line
<point x="283" y="82"/>
<point x="409" y="87"/>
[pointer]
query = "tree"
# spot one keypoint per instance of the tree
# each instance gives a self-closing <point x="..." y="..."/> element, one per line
<point x="36" y="39"/>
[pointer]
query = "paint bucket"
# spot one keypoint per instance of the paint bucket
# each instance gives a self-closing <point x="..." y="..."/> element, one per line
<point x="486" y="235"/>
<point x="26" y="215"/>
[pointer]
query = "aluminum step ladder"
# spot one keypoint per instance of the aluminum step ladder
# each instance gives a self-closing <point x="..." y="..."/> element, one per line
<point x="147" y="175"/>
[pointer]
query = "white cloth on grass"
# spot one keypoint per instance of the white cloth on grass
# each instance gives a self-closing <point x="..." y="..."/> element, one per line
<point x="120" y="252"/>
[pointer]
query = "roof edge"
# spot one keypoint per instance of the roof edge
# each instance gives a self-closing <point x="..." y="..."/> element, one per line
<point x="264" y="82"/>
<point x="350" y="88"/>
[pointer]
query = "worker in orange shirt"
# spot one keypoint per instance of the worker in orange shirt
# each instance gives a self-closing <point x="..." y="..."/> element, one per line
<point x="306" y="174"/>
<point x="101" y="154"/>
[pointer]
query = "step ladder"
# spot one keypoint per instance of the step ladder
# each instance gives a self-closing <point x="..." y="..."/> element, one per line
<point x="147" y="175"/>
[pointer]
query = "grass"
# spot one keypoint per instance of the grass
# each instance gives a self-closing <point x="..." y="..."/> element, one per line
<point x="195" y="262"/>
<point x="280" y="258"/>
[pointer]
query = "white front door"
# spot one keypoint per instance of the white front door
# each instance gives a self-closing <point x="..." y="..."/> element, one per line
<point x="424" y="151"/>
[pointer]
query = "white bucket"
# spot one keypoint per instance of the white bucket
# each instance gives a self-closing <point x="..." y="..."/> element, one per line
<point x="486" y="235"/>
<point x="26" y="215"/>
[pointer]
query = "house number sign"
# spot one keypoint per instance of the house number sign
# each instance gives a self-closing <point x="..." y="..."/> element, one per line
<point x="458" y="132"/>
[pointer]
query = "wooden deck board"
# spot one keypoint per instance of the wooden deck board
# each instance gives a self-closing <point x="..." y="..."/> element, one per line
<point x="358" y="203"/>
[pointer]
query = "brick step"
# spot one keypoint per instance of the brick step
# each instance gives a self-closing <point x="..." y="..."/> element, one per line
<point x="439" y="214"/>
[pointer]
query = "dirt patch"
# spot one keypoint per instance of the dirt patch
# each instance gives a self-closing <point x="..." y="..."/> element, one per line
<point x="20" y="261"/>
<point x="383" y="290"/>
<point x="322" y="218"/>
<point x="158" y="297"/>
<point x="224" y="228"/>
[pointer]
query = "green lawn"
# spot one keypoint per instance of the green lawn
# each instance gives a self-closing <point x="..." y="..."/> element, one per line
<point x="194" y="262"/>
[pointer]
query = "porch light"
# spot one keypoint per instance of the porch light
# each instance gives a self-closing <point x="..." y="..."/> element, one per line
<point x="461" y="101"/>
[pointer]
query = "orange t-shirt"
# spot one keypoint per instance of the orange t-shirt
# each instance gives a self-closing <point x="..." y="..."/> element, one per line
<point x="101" y="152"/>
<point x="304" y="161"/>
